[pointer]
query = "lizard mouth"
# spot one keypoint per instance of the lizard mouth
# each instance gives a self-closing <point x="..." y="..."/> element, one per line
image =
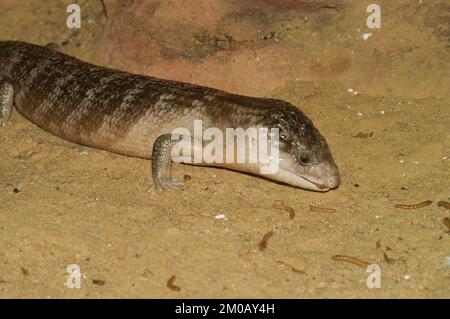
<point x="293" y="178"/>
<point x="320" y="177"/>
<point x="310" y="182"/>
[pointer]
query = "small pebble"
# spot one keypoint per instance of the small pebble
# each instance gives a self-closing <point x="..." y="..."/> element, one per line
<point x="366" y="36"/>
<point x="446" y="262"/>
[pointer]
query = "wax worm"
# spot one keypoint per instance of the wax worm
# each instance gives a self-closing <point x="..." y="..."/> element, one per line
<point x="293" y="268"/>
<point x="170" y="284"/>
<point x="98" y="282"/>
<point x="321" y="209"/>
<point x="286" y="208"/>
<point x="363" y="135"/>
<point x="378" y="244"/>
<point x="443" y="204"/>
<point x="414" y="206"/>
<point x="263" y="243"/>
<point x="446" y="222"/>
<point x="351" y="260"/>
<point x="387" y="259"/>
<point x="24" y="271"/>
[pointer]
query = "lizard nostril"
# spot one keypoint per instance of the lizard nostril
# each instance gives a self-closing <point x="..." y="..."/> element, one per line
<point x="334" y="181"/>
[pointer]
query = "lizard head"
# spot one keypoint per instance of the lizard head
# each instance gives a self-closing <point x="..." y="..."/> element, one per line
<point x="305" y="159"/>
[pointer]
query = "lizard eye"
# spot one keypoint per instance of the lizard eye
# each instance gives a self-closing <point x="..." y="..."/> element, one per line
<point x="304" y="159"/>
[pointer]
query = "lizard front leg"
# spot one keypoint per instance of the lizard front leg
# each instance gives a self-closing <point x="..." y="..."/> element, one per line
<point x="162" y="163"/>
<point x="6" y="101"/>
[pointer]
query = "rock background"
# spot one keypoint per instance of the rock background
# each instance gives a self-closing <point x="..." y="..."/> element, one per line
<point x="255" y="47"/>
<point x="62" y="203"/>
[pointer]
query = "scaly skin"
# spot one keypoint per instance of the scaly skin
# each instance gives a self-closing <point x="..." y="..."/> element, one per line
<point x="133" y="114"/>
